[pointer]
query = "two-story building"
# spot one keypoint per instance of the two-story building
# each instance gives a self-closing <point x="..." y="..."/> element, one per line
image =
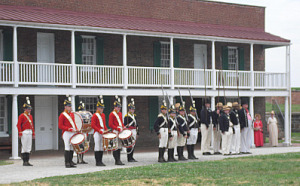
<point x="86" y="48"/>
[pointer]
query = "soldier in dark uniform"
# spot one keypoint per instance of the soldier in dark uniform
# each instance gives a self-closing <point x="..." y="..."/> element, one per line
<point x="162" y="131"/>
<point x="236" y="138"/>
<point x="216" y="130"/>
<point x="130" y="123"/>
<point x="194" y="129"/>
<point x="206" y="128"/>
<point x="226" y="129"/>
<point x="183" y="133"/>
<point x="172" y="134"/>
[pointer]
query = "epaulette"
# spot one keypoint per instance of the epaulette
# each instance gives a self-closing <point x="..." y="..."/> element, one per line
<point x="160" y="115"/>
<point x="126" y="115"/>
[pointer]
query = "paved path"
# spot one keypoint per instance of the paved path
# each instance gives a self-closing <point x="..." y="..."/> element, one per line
<point x="54" y="166"/>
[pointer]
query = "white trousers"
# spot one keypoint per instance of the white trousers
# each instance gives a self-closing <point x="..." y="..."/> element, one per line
<point x="66" y="137"/>
<point x="163" y="141"/>
<point x="26" y="141"/>
<point x="181" y="141"/>
<point x="133" y="133"/>
<point x="226" y="141"/>
<point x="206" y="137"/>
<point x="192" y="140"/>
<point x="98" y="138"/>
<point x="245" y="139"/>
<point x="217" y="140"/>
<point x="236" y="140"/>
<point x="173" y="142"/>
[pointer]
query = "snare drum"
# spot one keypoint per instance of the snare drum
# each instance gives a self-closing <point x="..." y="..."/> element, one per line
<point x="110" y="141"/>
<point x="86" y="117"/>
<point x="79" y="143"/>
<point x="126" y="138"/>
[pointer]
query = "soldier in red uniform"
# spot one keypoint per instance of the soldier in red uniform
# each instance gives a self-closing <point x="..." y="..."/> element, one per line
<point x="26" y="131"/>
<point x="67" y="124"/>
<point x="116" y="124"/>
<point x="99" y="125"/>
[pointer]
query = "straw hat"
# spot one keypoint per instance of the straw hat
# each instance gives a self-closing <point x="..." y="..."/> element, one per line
<point x="229" y="104"/>
<point x="272" y="112"/>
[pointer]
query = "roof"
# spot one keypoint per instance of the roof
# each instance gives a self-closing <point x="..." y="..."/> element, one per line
<point x="61" y="17"/>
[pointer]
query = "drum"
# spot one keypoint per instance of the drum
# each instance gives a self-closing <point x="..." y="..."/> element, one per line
<point x="126" y="138"/>
<point x="110" y="141"/>
<point x="78" y="120"/>
<point x="86" y="117"/>
<point x="79" y="143"/>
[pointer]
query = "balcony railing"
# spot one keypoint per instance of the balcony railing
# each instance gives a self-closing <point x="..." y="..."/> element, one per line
<point x="113" y="76"/>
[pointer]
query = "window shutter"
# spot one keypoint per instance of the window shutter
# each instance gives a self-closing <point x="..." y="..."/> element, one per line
<point x="108" y="108"/>
<point x="76" y="103"/>
<point x="78" y="49"/>
<point x="9" y="113"/>
<point x="153" y="111"/>
<point x="176" y="55"/>
<point x="241" y="59"/>
<point x="156" y="54"/>
<point x="100" y="51"/>
<point x="7" y="45"/>
<point x="224" y="58"/>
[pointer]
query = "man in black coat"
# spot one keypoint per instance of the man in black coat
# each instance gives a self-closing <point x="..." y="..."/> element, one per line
<point x="206" y="128"/>
<point x="226" y="129"/>
<point x="216" y="129"/>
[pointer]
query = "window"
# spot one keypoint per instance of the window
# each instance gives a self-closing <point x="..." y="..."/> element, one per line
<point x="1" y="46"/>
<point x="165" y="54"/>
<point x="232" y="58"/>
<point x="3" y="119"/>
<point x="90" y="103"/>
<point x="88" y="50"/>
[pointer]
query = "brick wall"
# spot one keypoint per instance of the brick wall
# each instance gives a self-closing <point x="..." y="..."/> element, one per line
<point x="281" y="100"/>
<point x="295" y="122"/>
<point x="181" y="10"/>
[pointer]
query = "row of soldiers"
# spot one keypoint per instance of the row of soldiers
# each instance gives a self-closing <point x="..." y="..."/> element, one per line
<point x="227" y="123"/>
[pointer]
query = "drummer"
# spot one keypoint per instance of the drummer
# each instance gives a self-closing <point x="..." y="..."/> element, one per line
<point x="80" y="160"/>
<point x="99" y="126"/>
<point x="116" y="124"/>
<point x="130" y="123"/>
<point x="67" y="124"/>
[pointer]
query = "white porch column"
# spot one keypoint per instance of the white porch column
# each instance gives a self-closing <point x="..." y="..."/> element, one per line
<point x="213" y="65"/>
<point x="172" y="63"/>
<point x="251" y="105"/>
<point x="286" y="122"/>
<point x="14" y="136"/>
<point x="74" y="74"/>
<point x="15" y="56"/>
<point x="73" y="103"/>
<point x="288" y="58"/>
<point x="124" y="106"/>
<point x="171" y="100"/>
<point x="125" y="68"/>
<point x="213" y="107"/>
<point x="251" y="66"/>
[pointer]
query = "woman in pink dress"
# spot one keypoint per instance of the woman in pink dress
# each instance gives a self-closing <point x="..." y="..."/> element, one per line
<point x="258" y="131"/>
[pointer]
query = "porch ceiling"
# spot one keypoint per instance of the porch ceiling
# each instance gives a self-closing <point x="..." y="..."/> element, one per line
<point x="60" y="17"/>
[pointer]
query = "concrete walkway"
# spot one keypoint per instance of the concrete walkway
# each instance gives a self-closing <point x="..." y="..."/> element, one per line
<point x="54" y="166"/>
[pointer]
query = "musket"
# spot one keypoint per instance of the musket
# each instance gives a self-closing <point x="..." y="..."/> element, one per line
<point x="193" y="102"/>
<point x="183" y="104"/>
<point x="164" y="101"/>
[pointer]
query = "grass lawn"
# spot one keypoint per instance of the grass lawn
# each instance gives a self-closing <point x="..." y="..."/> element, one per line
<point x="295" y="138"/>
<point x="280" y="169"/>
<point x="4" y="162"/>
<point x="295" y="107"/>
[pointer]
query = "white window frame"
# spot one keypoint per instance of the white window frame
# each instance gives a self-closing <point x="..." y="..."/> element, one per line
<point x="89" y="100"/>
<point x="1" y="45"/>
<point x="165" y="57"/>
<point x="94" y="48"/>
<point x="4" y="132"/>
<point x="230" y="63"/>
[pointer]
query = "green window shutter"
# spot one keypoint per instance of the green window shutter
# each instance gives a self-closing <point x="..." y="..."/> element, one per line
<point x="108" y="108"/>
<point x="153" y="111"/>
<point x="7" y="45"/>
<point x="9" y="113"/>
<point x="176" y="55"/>
<point x="224" y="58"/>
<point x="100" y="51"/>
<point x="76" y="102"/>
<point x="241" y="59"/>
<point x="78" y="49"/>
<point x="156" y="54"/>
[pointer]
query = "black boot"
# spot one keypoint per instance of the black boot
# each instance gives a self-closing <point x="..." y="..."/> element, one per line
<point x="181" y="157"/>
<point x="71" y="158"/>
<point x="81" y="159"/>
<point x="163" y="153"/>
<point x="67" y="159"/>
<point x="23" y="156"/>
<point x="132" y="155"/>
<point x="160" y="155"/>
<point x="98" y="157"/>
<point x="171" y="155"/>
<point x="189" y="149"/>
<point x="118" y="157"/>
<point x="193" y="152"/>
<point x="27" y="159"/>
<point x="172" y="152"/>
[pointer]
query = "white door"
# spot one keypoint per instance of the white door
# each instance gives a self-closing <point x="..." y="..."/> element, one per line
<point x="45" y="54"/>
<point x="45" y="122"/>
<point x="200" y="61"/>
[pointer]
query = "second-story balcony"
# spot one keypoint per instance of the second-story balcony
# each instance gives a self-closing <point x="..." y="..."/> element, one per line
<point x="32" y="73"/>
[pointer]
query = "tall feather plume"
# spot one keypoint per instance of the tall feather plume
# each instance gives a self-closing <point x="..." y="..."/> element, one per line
<point x="27" y="100"/>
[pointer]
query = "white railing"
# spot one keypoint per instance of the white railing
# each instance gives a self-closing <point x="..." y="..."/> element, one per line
<point x="95" y="75"/>
<point x="148" y="76"/>
<point x="192" y="78"/>
<point x="6" y="72"/>
<point x="44" y="73"/>
<point x="228" y="79"/>
<point x="269" y="80"/>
